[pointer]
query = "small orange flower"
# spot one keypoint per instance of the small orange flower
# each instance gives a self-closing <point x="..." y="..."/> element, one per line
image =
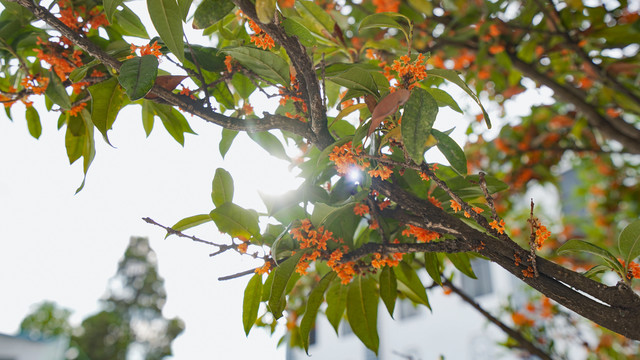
<point x="498" y="227"/>
<point x="265" y="269"/>
<point x="361" y="209"/>
<point x="77" y="109"/>
<point x="455" y="206"/>
<point x="494" y="49"/>
<point x="260" y="38"/>
<point x="386" y="5"/>
<point x="227" y="62"/>
<point x="421" y="235"/>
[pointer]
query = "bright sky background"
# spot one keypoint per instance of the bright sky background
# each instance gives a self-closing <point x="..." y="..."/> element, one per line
<point x="62" y="247"/>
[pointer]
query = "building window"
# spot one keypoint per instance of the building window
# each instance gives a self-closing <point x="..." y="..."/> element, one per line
<point x="482" y="285"/>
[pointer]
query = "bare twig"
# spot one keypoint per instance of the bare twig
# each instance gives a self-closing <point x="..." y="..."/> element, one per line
<point x="532" y="241"/>
<point x="487" y="196"/>
<point x="237" y="275"/>
<point x="171" y="231"/>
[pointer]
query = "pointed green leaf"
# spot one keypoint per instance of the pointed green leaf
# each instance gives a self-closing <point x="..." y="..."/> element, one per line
<point x="407" y="275"/>
<point x="167" y="19"/>
<point x="462" y="262"/>
<point x="265" y="10"/>
<point x="314" y="301"/>
<point x="336" y="304"/>
<point x="184" y="5"/>
<point x="236" y="221"/>
<point x="210" y="12"/>
<point x="444" y="99"/>
<point x="356" y="78"/>
<point x="56" y="92"/>
<point x="251" y="302"/>
<point x="264" y="63"/>
<point x="222" y="187"/>
<point x="148" y="116"/>
<point x="388" y="288"/>
<point x="294" y="28"/>
<point x="33" y="122"/>
<point x="190" y="222"/>
<point x="420" y="113"/>
<point x="110" y="7"/>
<point x="243" y="85"/>
<point x="226" y="141"/>
<point x="315" y="15"/>
<point x="106" y="100"/>
<point x="88" y="146"/>
<point x="137" y="75"/>
<point x="452" y="151"/>
<point x="383" y="20"/>
<point x="282" y="274"/>
<point x="583" y="246"/>
<point x="130" y="23"/>
<point x="629" y="242"/>
<point x="270" y="143"/>
<point x="432" y="264"/>
<point x="79" y="73"/>
<point x="208" y="58"/>
<point x="266" y="288"/>
<point x="362" y="311"/>
<point x="453" y="76"/>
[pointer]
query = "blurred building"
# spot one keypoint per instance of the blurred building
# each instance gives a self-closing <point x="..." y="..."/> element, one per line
<point x="453" y="330"/>
<point x="18" y="347"/>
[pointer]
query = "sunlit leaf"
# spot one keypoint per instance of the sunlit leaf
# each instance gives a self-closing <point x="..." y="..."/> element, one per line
<point x="420" y="113"/>
<point x="314" y="300"/>
<point x="251" y="302"/>
<point x="236" y="221"/>
<point x="362" y="311"/>
<point x="222" y="187"/>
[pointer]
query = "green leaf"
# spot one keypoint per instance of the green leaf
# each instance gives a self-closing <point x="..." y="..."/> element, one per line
<point x="388" y="288"/>
<point x="265" y="10"/>
<point x="33" y="122"/>
<point x="432" y="264"/>
<point x="243" y="85"/>
<point x="137" y="75"/>
<point x="208" y="58"/>
<point x="266" y="289"/>
<point x="420" y="113"/>
<point x="166" y="18"/>
<point x="210" y="12"/>
<point x="315" y="15"/>
<point x="226" y="141"/>
<point x="106" y="100"/>
<point x="591" y="273"/>
<point x="264" y="63"/>
<point x="147" y="117"/>
<point x="222" y="187"/>
<point x="189" y="222"/>
<point x="383" y="20"/>
<point x="130" y="23"/>
<point x="407" y="275"/>
<point x="110" y="7"/>
<point x="356" y="79"/>
<point x="282" y="274"/>
<point x="184" y="5"/>
<point x="362" y="311"/>
<point x="251" y="302"/>
<point x="79" y="73"/>
<point x="173" y="120"/>
<point x="452" y="151"/>
<point x="314" y="301"/>
<point x="583" y="246"/>
<point x="270" y="143"/>
<point x="236" y="221"/>
<point x="444" y="99"/>
<point x="56" y="92"/>
<point x="294" y="28"/>
<point x="629" y="242"/>
<point x="462" y="262"/>
<point x="336" y="304"/>
<point x="452" y="76"/>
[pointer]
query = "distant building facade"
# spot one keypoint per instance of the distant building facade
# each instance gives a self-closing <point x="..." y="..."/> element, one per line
<point x="23" y="348"/>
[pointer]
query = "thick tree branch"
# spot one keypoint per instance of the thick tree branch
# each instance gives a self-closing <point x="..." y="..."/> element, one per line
<point x="616" y="308"/>
<point x="305" y="73"/>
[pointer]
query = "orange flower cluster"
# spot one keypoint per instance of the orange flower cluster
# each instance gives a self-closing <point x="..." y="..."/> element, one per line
<point x="410" y="72"/>
<point x="634" y="270"/>
<point x="498" y="227"/>
<point x="392" y="260"/>
<point x="265" y="269"/>
<point x="294" y="94"/>
<point x="227" y="62"/>
<point x="456" y="207"/>
<point x="346" y="157"/>
<point x="37" y="84"/>
<point x="286" y="3"/>
<point x="60" y="59"/>
<point x="421" y="235"/>
<point x="260" y="38"/>
<point x="73" y="18"/>
<point x="149" y="49"/>
<point x="77" y="109"/>
<point x="380" y="171"/>
<point x="242" y="247"/>
<point x="386" y="5"/>
<point x="520" y="319"/>
<point x="539" y="231"/>
<point x="361" y="209"/>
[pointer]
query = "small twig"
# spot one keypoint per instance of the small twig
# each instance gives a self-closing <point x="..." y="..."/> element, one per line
<point x="516" y="335"/>
<point x="23" y="65"/>
<point x="487" y="196"/>
<point x="172" y="231"/>
<point x="532" y="241"/>
<point x="200" y="74"/>
<point x="237" y="275"/>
